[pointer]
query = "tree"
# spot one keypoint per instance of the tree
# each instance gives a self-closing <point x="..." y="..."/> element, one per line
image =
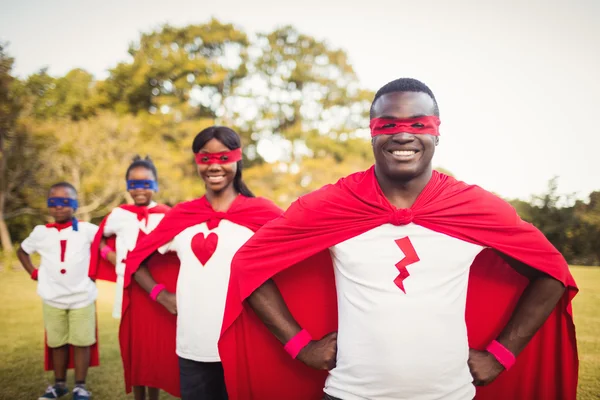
<point x="9" y="110"/>
<point x="184" y="71"/>
<point x="91" y="154"/>
<point x="71" y="96"/>
<point x="302" y="90"/>
<point x="589" y="214"/>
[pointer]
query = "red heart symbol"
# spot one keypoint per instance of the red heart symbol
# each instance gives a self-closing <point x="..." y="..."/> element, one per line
<point x="204" y="248"/>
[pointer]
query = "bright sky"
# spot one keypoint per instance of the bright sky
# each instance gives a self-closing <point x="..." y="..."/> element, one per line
<point x="517" y="82"/>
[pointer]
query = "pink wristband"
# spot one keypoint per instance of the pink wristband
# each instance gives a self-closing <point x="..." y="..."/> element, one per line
<point x="502" y="354"/>
<point x="34" y="274"/>
<point x="297" y="343"/>
<point x="159" y="287"/>
<point x="105" y="250"/>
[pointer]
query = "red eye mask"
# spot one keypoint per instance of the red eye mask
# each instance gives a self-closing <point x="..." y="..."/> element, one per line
<point x="225" y="157"/>
<point x="418" y="126"/>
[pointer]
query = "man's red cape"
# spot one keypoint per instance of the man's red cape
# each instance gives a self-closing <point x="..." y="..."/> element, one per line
<point x="293" y="250"/>
<point x="249" y="212"/>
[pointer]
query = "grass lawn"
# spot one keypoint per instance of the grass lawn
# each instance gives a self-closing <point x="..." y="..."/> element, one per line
<point x="22" y="375"/>
<point x="21" y="339"/>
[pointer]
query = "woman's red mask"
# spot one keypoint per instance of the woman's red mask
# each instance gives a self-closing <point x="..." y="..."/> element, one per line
<point x="225" y="157"/>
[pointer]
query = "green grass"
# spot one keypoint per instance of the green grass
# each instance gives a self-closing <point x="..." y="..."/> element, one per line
<point x="21" y="332"/>
<point x="22" y="375"/>
<point x="586" y="306"/>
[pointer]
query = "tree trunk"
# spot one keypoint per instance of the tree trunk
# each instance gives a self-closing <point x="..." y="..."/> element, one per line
<point x="76" y="173"/>
<point x="7" y="246"/>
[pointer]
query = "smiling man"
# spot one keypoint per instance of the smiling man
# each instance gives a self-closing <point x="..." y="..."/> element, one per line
<point x="413" y="284"/>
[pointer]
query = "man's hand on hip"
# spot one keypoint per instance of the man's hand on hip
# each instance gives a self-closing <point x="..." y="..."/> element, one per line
<point x="484" y="367"/>
<point x="320" y="354"/>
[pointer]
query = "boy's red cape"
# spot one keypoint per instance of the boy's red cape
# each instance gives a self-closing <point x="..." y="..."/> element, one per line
<point x="94" y="353"/>
<point x="249" y="212"/>
<point x="293" y="250"/>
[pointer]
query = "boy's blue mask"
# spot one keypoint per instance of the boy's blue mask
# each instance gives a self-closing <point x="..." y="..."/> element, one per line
<point x="62" y="201"/>
<point x="142" y="184"/>
<point x="65" y="202"/>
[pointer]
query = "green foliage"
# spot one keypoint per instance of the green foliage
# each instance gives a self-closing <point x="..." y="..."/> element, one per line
<point x="72" y="96"/>
<point x="185" y="71"/>
<point x="294" y="99"/>
<point x="573" y="229"/>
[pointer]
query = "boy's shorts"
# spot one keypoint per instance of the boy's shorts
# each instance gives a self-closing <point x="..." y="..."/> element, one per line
<point x="76" y="327"/>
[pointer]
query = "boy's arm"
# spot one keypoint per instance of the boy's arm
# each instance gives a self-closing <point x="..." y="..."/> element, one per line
<point x="29" y="246"/>
<point x="25" y="261"/>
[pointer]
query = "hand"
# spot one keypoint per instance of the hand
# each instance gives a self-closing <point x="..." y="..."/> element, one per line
<point x="484" y="367"/>
<point x="320" y="354"/>
<point x="112" y="257"/>
<point x="34" y="274"/>
<point x="168" y="300"/>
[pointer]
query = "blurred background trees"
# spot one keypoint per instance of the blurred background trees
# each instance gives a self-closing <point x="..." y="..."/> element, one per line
<point x="295" y="100"/>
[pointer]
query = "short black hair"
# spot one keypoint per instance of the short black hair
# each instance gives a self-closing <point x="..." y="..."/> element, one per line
<point x="66" y="185"/>
<point x="138" y="161"/>
<point x="405" y="85"/>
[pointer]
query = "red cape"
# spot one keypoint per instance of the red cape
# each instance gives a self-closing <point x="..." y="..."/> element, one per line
<point x="103" y="269"/>
<point x="147" y="333"/>
<point x="249" y="212"/>
<point x="293" y="250"/>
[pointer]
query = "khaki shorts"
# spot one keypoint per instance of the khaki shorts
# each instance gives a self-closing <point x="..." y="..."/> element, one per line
<point x="76" y="327"/>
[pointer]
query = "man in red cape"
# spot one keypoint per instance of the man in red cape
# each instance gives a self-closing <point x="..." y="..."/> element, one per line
<point x="518" y="301"/>
<point x="157" y="368"/>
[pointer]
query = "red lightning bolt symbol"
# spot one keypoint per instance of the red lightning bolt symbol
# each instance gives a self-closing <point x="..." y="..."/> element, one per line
<point x="410" y="257"/>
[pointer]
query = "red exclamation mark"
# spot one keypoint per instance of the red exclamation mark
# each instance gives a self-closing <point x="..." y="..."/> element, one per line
<point x="63" y="250"/>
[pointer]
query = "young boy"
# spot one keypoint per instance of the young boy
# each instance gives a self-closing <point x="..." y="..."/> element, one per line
<point x="67" y="292"/>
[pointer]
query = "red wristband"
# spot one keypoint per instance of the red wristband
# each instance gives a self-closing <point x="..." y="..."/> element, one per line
<point x="105" y="250"/>
<point x="34" y="274"/>
<point x="297" y="343"/>
<point x="502" y="354"/>
<point x="159" y="287"/>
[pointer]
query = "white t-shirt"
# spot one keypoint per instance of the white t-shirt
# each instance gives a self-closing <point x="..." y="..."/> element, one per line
<point x="126" y="226"/>
<point x="202" y="289"/>
<point x="63" y="277"/>
<point x="402" y="345"/>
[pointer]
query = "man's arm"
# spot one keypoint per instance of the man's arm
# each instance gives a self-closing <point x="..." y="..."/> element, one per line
<point x="25" y="260"/>
<point x="533" y="308"/>
<point x="144" y="278"/>
<point x="269" y="306"/>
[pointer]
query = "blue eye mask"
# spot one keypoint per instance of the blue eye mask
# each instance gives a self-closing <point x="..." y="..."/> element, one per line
<point x="142" y="184"/>
<point x="65" y="202"/>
